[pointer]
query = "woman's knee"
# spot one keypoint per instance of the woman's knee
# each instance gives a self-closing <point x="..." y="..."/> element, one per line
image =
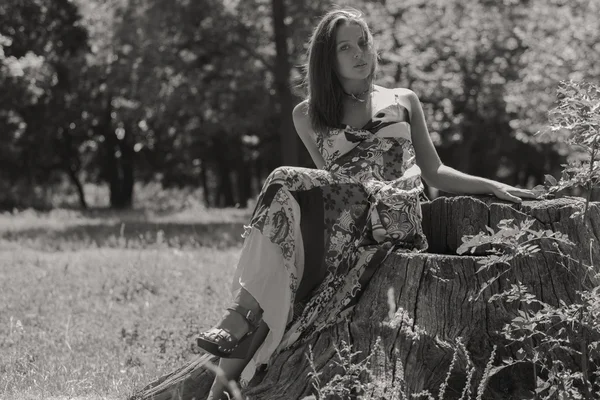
<point x="282" y="172"/>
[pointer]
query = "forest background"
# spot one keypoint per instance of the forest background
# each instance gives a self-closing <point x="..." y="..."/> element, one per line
<point x="121" y="94"/>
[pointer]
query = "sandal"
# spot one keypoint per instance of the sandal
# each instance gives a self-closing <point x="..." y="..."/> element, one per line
<point x="223" y="344"/>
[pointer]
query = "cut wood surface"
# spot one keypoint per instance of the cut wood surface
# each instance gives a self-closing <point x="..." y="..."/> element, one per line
<point x="417" y="306"/>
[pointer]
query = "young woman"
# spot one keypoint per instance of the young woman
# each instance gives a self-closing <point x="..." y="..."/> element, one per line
<point x="317" y="235"/>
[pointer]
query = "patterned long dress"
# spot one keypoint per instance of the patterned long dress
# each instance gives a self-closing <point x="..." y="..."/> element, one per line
<point x="317" y="235"/>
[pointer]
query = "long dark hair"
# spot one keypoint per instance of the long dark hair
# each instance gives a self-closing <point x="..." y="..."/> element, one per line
<point x="324" y="90"/>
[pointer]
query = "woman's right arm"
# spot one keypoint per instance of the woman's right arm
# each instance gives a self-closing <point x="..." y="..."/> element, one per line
<point x="306" y="133"/>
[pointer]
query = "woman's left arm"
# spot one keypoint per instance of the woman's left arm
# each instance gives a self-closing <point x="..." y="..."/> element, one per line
<point x="448" y="179"/>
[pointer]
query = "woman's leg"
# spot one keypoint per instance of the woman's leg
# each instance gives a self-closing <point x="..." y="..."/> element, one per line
<point x="267" y="271"/>
<point x="234" y="322"/>
<point x="231" y="368"/>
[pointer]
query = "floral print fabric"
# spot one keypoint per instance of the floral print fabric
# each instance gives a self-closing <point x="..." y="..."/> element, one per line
<point x="368" y="197"/>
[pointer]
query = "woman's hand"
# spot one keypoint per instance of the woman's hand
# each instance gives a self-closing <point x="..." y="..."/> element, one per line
<point x="511" y="193"/>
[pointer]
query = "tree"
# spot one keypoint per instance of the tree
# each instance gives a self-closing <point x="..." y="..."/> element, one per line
<point x="42" y="45"/>
<point x="288" y="137"/>
<point x="485" y="72"/>
<point x="169" y="83"/>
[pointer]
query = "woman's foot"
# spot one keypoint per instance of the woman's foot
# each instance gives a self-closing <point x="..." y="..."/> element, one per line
<point x="233" y="323"/>
<point x="231" y="368"/>
<point x="232" y="337"/>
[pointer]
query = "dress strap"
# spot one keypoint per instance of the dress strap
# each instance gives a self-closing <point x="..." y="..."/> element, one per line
<point x="403" y="111"/>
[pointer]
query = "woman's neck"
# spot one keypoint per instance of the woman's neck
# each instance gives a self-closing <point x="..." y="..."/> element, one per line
<point x="355" y="87"/>
<point x="357" y="113"/>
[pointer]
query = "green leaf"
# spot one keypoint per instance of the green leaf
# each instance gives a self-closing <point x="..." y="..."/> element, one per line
<point x="550" y="180"/>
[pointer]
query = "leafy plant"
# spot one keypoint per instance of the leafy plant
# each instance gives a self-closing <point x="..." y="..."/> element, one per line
<point x="546" y="333"/>
<point x="355" y="379"/>
<point x="347" y="384"/>
<point x="577" y="118"/>
<point x="510" y="241"/>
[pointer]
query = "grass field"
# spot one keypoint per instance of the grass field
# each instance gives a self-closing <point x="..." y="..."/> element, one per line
<point x="95" y="305"/>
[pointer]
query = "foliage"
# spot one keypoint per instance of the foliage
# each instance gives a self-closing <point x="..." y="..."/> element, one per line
<point x="355" y="379"/>
<point x="544" y="332"/>
<point x="41" y="48"/>
<point x="482" y="70"/>
<point x="577" y="119"/>
<point x="547" y="333"/>
<point x="184" y="92"/>
<point x="350" y="382"/>
<point x="509" y="242"/>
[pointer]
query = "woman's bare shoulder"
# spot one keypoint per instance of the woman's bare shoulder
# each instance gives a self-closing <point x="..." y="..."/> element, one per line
<point x="404" y="93"/>
<point x="301" y="111"/>
<point x="301" y="119"/>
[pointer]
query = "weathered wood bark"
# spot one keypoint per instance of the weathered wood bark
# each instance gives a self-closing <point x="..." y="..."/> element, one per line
<point x="416" y="307"/>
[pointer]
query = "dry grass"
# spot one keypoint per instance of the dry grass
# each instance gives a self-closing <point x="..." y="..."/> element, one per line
<point x="95" y="305"/>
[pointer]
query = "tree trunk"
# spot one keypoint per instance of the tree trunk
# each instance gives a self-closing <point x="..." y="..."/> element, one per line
<point x="119" y="172"/>
<point x="244" y="182"/>
<point x="78" y="185"/>
<point x="72" y="165"/>
<point x="110" y="170"/>
<point x="224" y="189"/>
<point x="204" y="179"/>
<point x="287" y="133"/>
<point x="127" y="163"/>
<point x="415" y="309"/>
<point x="118" y="161"/>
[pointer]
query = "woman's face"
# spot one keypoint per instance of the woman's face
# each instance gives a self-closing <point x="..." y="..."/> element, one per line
<point x="354" y="54"/>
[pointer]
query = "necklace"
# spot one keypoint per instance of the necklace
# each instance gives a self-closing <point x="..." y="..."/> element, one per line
<point x="357" y="97"/>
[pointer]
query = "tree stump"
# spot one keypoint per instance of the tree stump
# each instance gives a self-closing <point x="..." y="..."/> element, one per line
<point x="406" y="325"/>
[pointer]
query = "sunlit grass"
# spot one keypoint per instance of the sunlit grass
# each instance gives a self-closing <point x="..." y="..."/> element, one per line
<point x="98" y="306"/>
<point x="72" y="230"/>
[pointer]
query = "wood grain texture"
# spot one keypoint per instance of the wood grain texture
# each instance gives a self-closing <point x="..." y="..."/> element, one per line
<point x="410" y="343"/>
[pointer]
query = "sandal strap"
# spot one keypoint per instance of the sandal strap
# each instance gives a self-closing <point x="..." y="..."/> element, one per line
<point x="251" y="316"/>
<point x="222" y="334"/>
